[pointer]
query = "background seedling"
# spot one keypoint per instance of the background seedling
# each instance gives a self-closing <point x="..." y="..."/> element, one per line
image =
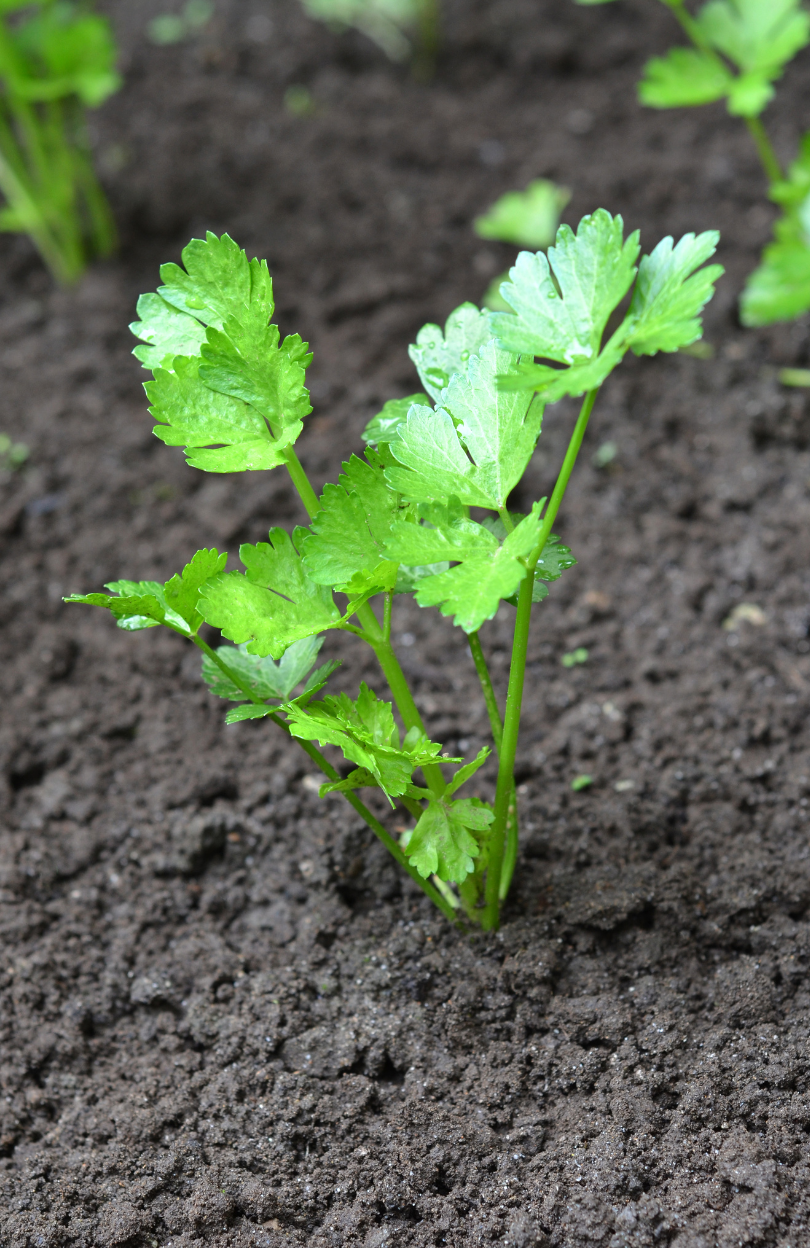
<point x="404" y="29"/>
<point x="575" y="657"/>
<point x="175" y="27"/>
<point x="739" y="50"/>
<point x="527" y="219"/>
<point x="581" y="782"/>
<point x="605" y="454"/>
<point x="12" y="454"/>
<point x="56" y="60"/>
<point x="397" y="521"/>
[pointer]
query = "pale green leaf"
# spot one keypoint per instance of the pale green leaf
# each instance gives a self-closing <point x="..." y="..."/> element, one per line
<point x="756" y="34"/>
<point x="166" y="332"/>
<point x="385" y="426"/>
<point x="467" y="771"/>
<point x="685" y="76"/>
<point x="526" y="218"/>
<point x="552" y="384"/>
<point x="442" y="843"/>
<point x="272" y="604"/>
<point x="779" y="290"/>
<point x="263" y="677"/>
<point x="562" y="317"/>
<point x="245" y="361"/>
<point x="670" y="294"/>
<point x="143" y="604"/>
<point x="198" y="418"/>
<point x="346" y="547"/>
<point x="472" y="590"/>
<point x="749" y="94"/>
<point x="218" y="282"/>
<point x="476" y="446"/>
<point x="438" y="355"/>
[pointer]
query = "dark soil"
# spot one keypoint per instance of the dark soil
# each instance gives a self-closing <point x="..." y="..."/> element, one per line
<point x="226" y="1018"/>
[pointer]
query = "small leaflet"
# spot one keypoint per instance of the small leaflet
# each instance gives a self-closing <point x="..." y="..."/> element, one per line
<point x="438" y="355"/>
<point x="273" y="603"/>
<point x="346" y="546"/>
<point x="145" y="604"/>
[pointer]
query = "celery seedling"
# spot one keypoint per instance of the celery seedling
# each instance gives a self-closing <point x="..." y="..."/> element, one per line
<point x="404" y="29"/>
<point x="400" y="519"/>
<point x="56" y="60"/>
<point x="739" y="49"/>
<point x="528" y="219"/>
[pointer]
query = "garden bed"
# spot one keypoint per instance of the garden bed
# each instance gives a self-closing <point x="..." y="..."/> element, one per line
<point x="226" y="1019"/>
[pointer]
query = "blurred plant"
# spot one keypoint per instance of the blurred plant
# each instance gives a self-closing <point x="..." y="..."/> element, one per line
<point x="580" y="655"/>
<point x="526" y="219"/>
<point x="56" y="60"/>
<point x="605" y="454"/>
<point x="175" y="27"/>
<point x="404" y="29"/>
<point x="299" y="101"/>
<point x="740" y="48"/>
<point x="581" y="782"/>
<point x="12" y="454"/>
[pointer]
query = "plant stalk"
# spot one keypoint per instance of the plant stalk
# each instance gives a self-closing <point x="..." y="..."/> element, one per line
<point x="517" y="674"/>
<point x="764" y="147"/>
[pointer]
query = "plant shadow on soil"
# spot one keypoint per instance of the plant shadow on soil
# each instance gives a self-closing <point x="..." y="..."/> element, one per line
<point x="226" y="1018"/>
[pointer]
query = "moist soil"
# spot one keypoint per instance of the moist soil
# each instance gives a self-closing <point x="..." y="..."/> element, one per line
<point x="227" y="1019"/>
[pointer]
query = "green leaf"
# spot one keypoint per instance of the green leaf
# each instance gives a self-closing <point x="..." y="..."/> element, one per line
<point x="366" y="733"/>
<point x="758" y="35"/>
<point x="386" y="425"/>
<point x="165" y="331"/>
<point x="442" y="842"/>
<point x="552" y="384"/>
<point x="562" y="302"/>
<point x="526" y="218"/>
<point x="476" y="446"/>
<point x="360" y="778"/>
<point x="274" y="603"/>
<point x="193" y="416"/>
<point x="779" y="290"/>
<point x="467" y="771"/>
<point x="438" y="356"/>
<point x="245" y="361"/>
<point x="486" y="573"/>
<point x="144" y="604"/>
<point x="346" y="547"/>
<point x="749" y="94"/>
<point x="218" y="282"/>
<point x="262" y="676"/>
<point x="669" y="294"/>
<point x="684" y="76"/>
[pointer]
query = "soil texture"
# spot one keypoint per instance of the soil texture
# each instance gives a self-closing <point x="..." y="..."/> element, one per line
<point x="226" y="1018"/>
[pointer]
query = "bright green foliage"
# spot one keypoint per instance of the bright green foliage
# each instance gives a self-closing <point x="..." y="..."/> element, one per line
<point x="57" y="60"/>
<point x="166" y="332"/>
<point x="779" y="290"/>
<point x="758" y="37"/>
<point x="385" y="426"/>
<point x="443" y="841"/>
<point x="225" y="387"/>
<point x="273" y="603"/>
<point x="594" y="269"/>
<point x="478" y="443"/>
<point x="438" y="355"/>
<point x="685" y="76"/>
<point x="366" y="733"/>
<point x="663" y="314"/>
<point x="346" y="548"/>
<point x="669" y="294"/>
<point x="264" y="678"/>
<point x="398" y="520"/>
<point x="526" y="218"/>
<point x="144" y="604"/>
<point x="487" y="570"/>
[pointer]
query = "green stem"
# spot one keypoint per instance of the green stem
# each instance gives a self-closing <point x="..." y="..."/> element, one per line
<point x="682" y="15"/>
<point x="517" y="674"/>
<point x="428" y="29"/>
<point x="329" y="771"/>
<point x="301" y="482"/>
<point x="389" y="601"/>
<point x="764" y="147"/>
<point x="491" y="702"/>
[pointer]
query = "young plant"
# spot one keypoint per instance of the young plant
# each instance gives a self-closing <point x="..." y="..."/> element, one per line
<point x="739" y="50"/>
<point x="404" y="29"/>
<point x="169" y="28"/>
<point x="527" y="219"/>
<point x="426" y="511"/>
<point x="56" y="60"/>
